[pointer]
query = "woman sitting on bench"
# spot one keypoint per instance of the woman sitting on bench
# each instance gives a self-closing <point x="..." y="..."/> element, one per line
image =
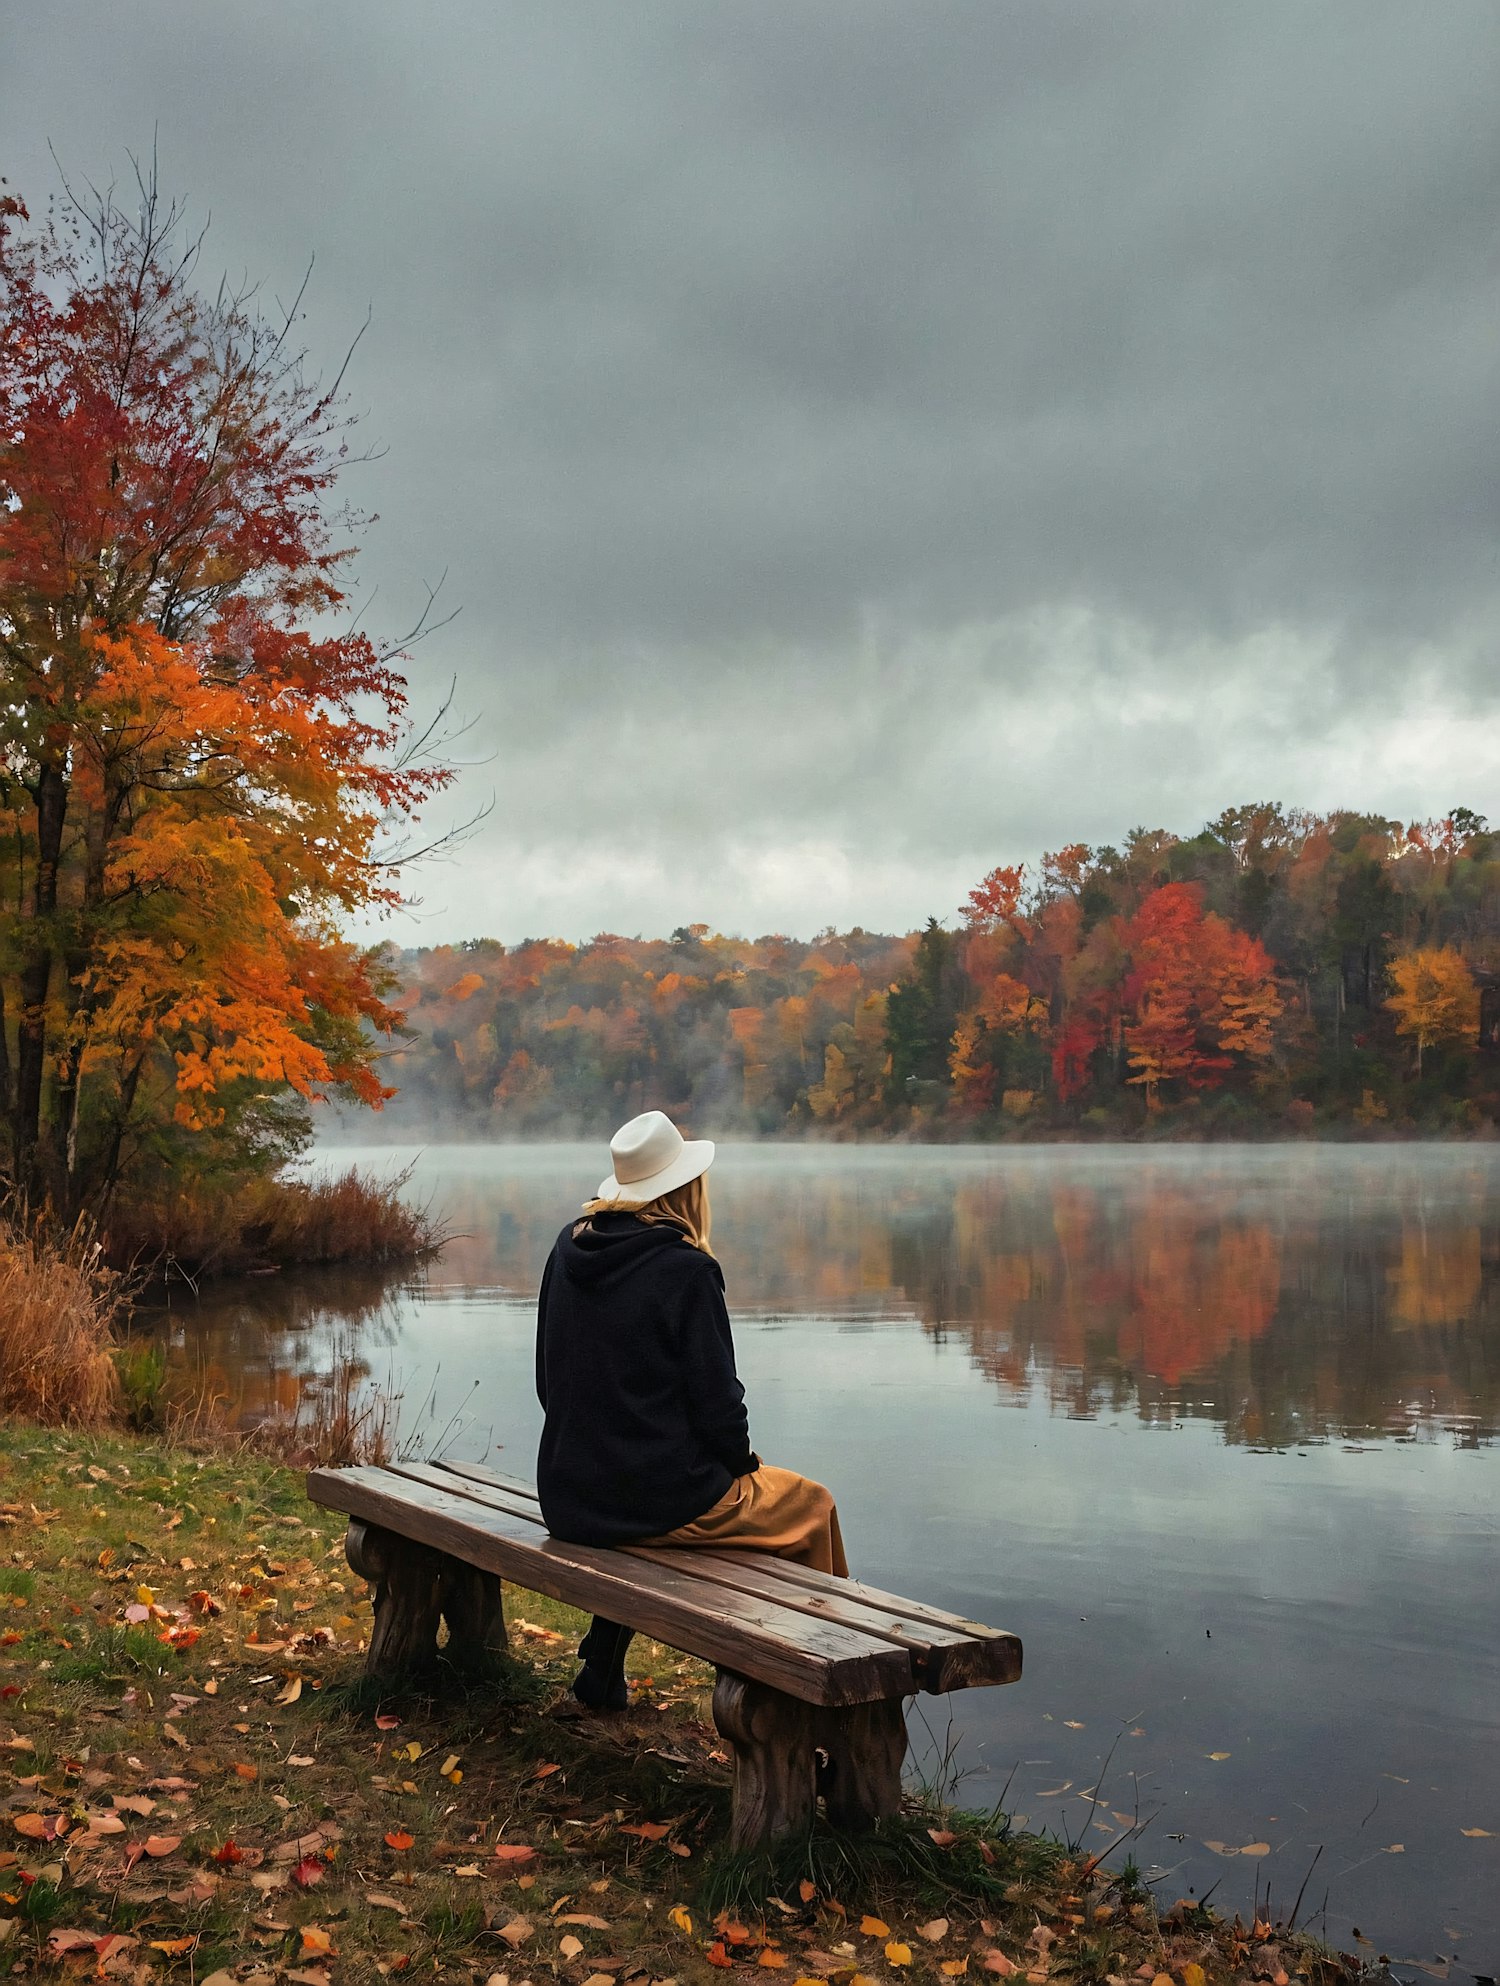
<point x="646" y="1439"/>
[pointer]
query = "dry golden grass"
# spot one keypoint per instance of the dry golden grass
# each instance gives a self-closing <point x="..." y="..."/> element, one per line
<point x="59" y="1306"/>
<point x="193" y="1231"/>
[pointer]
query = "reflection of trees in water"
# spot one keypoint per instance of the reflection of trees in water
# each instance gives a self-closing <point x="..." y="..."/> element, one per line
<point x="1283" y="1295"/>
<point x="1314" y="1319"/>
<point x="262" y="1343"/>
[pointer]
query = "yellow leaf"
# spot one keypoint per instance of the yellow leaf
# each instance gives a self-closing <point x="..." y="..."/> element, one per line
<point x="145" y="1597"/>
<point x="1218" y="1755"/>
<point x="678" y="1916"/>
<point x="1193" y="1975"/>
<point x="954" y="1968"/>
<point x="872" y="1927"/>
<point x="772" y="1960"/>
<point x="897" y="1953"/>
<point x="292" y="1691"/>
<point x="449" y="1764"/>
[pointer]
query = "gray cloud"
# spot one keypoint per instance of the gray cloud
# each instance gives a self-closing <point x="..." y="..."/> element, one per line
<point x="869" y="441"/>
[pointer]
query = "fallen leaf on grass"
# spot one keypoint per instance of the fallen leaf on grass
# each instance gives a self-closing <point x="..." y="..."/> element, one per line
<point x="400" y="1840"/>
<point x="309" y="1975"/>
<point x="291" y="1692"/>
<point x="173" y="1947"/>
<point x="309" y="1871"/>
<point x="681" y="1919"/>
<point x="378" y="1900"/>
<point x="40" y="1827"/>
<point x="934" y="1932"/>
<point x="954" y="1968"/>
<point x="570" y="1946"/>
<point x="648" y="1830"/>
<point x="941" y="1837"/>
<point x="897" y="1953"/>
<point x="316" y="1941"/>
<point x="716" y="1954"/>
<point x="807" y="1890"/>
<point x="246" y="1771"/>
<point x="516" y="1932"/>
<point x="177" y="1736"/>
<point x="545" y="1771"/>
<point x="158" y="1845"/>
<point x="1193" y="1974"/>
<point x="588" y="1923"/>
<point x="513" y="1852"/>
<point x="297" y="1758"/>
<point x="874" y="1927"/>
<point x="997" y="1962"/>
<point x="772" y="1959"/>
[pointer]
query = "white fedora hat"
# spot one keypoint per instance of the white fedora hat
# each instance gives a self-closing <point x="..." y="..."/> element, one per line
<point x="651" y="1157"/>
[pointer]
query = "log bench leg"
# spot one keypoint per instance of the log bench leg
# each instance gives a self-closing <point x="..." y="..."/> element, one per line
<point x="414" y="1588"/>
<point x="771" y="1736"/>
<point x="474" y="1609"/>
<point x="865" y="1744"/>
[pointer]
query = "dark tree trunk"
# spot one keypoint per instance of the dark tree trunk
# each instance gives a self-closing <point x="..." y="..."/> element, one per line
<point x="51" y="795"/>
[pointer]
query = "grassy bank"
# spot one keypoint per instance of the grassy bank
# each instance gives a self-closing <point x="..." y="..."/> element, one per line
<point x="196" y="1784"/>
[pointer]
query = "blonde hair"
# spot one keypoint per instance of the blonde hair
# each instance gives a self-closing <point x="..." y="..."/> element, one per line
<point x="686" y="1208"/>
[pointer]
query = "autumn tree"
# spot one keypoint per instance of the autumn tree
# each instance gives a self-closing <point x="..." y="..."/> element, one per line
<point x="1434" y="998"/>
<point x="196" y="771"/>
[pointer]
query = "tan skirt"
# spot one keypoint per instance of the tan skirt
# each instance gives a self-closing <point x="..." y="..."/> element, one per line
<point x="775" y="1511"/>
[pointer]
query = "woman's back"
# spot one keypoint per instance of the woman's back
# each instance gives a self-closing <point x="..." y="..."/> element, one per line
<point x="645" y="1416"/>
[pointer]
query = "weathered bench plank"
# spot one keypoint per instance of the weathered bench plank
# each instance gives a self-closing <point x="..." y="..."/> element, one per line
<point x="947" y="1651"/>
<point x="819" y="1661"/>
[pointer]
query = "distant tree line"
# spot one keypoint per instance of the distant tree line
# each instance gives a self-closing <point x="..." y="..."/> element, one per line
<point x="1279" y="970"/>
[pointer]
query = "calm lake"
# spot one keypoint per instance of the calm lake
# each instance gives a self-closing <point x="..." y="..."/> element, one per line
<point x="1212" y="1428"/>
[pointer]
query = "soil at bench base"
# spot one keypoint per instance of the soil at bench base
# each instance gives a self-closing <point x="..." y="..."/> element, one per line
<point x="196" y="1784"/>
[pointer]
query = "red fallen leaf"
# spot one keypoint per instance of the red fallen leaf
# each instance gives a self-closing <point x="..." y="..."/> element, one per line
<point x="545" y="1771"/>
<point x="10" y="1689"/>
<point x="505" y="1851"/>
<point x="204" y="1603"/>
<point x="10" y="1638"/>
<point x="229" y="1853"/>
<point x="717" y="1954"/>
<point x="180" y="1637"/>
<point x="309" y="1871"/>
<point x="648" y="1830"/>
<point x="400" y="1840"/>
<point x="386" y="1721"/>
<point x="941" y="1837"/>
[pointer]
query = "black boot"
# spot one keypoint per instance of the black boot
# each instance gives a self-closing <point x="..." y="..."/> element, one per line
<point x="600" y="1683"/>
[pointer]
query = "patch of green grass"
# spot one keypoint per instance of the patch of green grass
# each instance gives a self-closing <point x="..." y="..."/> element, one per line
<point x="112" y="1653"/>
<point x="16" y="1583"/>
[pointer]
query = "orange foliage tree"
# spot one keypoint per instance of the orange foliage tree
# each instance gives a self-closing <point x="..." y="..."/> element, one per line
<point x="1200" y="993"/>
<point x="196" y="772"/>
<point x="1434" y="998"/>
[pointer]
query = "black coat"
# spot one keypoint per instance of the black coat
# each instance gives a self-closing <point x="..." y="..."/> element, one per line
<point x="645" y="1416"/>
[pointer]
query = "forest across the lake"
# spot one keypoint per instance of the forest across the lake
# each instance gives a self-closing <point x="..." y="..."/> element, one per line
<point x="1280" y="971"/>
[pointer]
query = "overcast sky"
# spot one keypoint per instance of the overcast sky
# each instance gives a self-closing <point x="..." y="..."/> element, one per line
<point x="869" y="441"/>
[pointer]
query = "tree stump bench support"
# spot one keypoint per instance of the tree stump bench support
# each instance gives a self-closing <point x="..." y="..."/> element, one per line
<point x="813" y="1672"/>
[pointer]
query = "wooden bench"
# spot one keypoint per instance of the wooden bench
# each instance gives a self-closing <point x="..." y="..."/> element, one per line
<point x="812" y="1671"/>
